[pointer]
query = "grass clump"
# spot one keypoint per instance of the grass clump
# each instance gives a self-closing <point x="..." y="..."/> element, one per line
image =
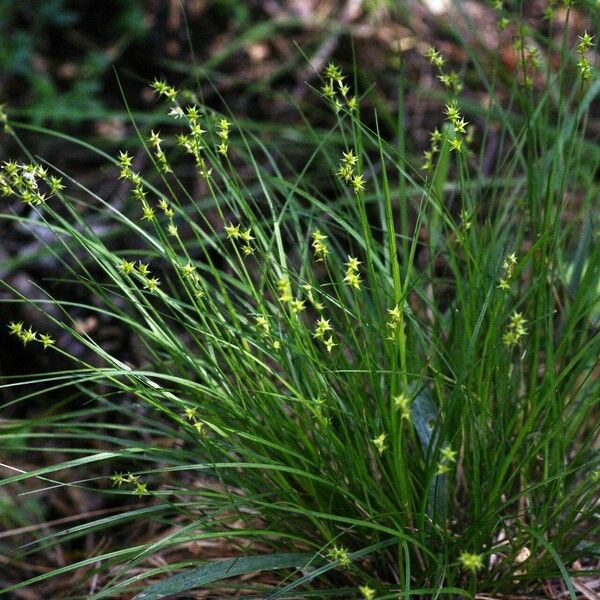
<point x="378" y="377"/>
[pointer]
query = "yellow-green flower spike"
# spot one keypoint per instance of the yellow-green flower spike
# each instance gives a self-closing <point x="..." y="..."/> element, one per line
<point x="263" y="324"/>
<point x="329" y="344"/>
<point x="322" y="327"/>
<point x="152" y="284"/>
<point x="379" y="443"/>
<point x="448" y="454"/>
<point x="349" y="158"/>
<point x="353" y="280"/>
<point x="334" y="72"/>
<point x="246" y="236"/>
<point x="358" y="183"/>
<point x="352" y="264"/>
<point x="319" y="246"/>
<point x="126" y="267"/>
<point x="141" y="489"/>
<point x="15" y="328"/>
<point x="297" y="306"/>
<point x="143" y="269"/>
<point x="148" y="213"/>
<point x="471" y="562"/>
<point x="232" y="231"/>
<point x="46" y="340"/>
<point x="285" y="290"/>
<point x="367" y="592"/>
<point x="118" y="479"/>
<point x="188" y="269"/>
<point x="516" y="329"/>
<point x="340" y="554"/>
<point x="28" y="335"/>
<point x="402" y="405"/>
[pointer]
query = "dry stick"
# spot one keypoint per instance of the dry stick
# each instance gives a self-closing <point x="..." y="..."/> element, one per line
<point x="585" y="590"/>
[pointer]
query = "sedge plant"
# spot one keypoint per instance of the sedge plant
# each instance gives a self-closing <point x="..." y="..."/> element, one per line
<point x="374" y="377"/>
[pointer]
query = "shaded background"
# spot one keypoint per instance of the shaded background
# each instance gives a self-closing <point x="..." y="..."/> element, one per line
<point x="78" y="67"/>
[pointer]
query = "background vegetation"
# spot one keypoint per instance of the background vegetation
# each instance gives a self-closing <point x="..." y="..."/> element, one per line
<point x="289" y="340"/>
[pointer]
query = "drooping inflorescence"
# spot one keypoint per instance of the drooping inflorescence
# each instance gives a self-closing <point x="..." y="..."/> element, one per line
<point x="30" y="183"/>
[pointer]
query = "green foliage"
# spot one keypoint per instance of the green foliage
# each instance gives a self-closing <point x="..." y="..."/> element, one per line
<point x="405" y="390"/>
<point x="32" y="40"/>
<point x="223" y="570"/>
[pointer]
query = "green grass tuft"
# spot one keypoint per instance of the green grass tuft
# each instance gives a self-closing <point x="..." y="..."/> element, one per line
<point x="381" y="378"/>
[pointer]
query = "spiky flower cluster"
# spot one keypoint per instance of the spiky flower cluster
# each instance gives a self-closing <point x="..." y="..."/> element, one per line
<point x="448" y="456"/>
<point x="335" y="90"/>
<point x="264" y="329"/>
<point x="284" y="287"/>
<point x="308" y="289"/>
<point x="450" y="80"/>
<point x="262" y="324"/>
<point x="352" y="277"/>
<point x="532" y="61"/>
<point x="347" y="171"/>
<point x="584" y="64"/>
<point x="458" y="126"/>
<point x="190" y="415"/>
<point x="503" y="22"/>
<point x="29" y="335"/>
<point x="508" y="266"/>
<point x="141" y="271"/>
<point x="379" y="443"/>
<point x="465" y="220"/>
<point x="141" y="489"/>
<point x="436" y="137"/>
<point x="317" y="408"/>
<point x="244" y="237"/>
<point x="394" y="320"/>
<point x="193" y="141"/>
<point x="455" y="134"/>
<point x="28" y="182"/>
<point x="223" y="133"/>
<point x="164" y="90"/>
<point x="533" y="58"/>
<point x="188" y="271"/>
<point x="340" y="554"/>
<point x="550" y="11"/>
<point x="159" y="154"/>
<point x="516" y="330"/>
<point x="285" y="296"/>
<point x="471" y="562"/>
<point x="402" y="405"/>
<point x="319" y="246"/>
<point x="297" y="305"/>
<point x="321" y="328"/>
<point x="367" y="592"/>
<point x="138" y="190"/>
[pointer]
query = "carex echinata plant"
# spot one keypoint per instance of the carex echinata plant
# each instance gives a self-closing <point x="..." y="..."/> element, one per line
<point x="372" y="375"/>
